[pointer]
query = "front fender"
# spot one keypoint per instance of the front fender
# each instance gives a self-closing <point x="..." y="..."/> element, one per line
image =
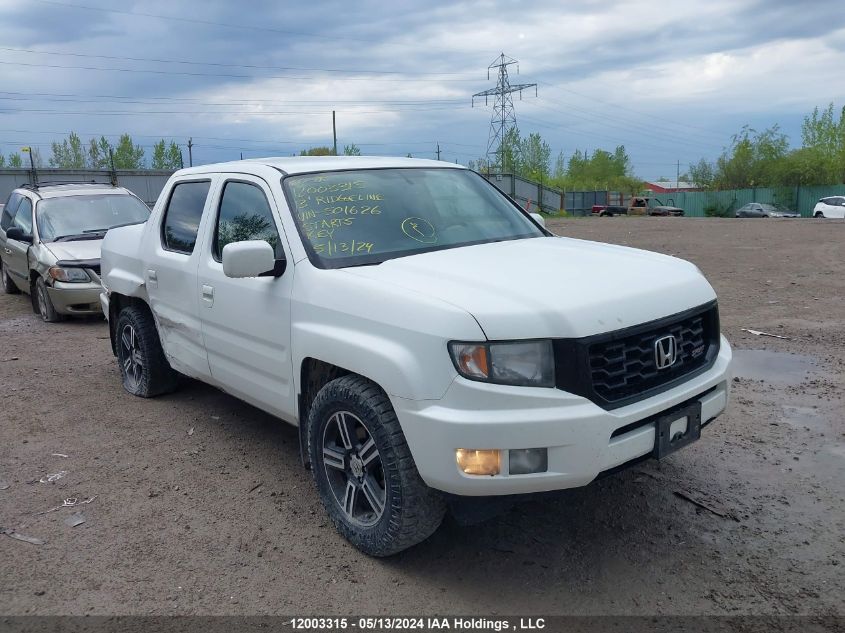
<point x="393" y="336"/>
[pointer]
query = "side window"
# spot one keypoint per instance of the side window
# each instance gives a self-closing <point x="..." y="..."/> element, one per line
<point x="23" y="217"/>
<point x="244" y="215"/>
<point x="9" y="210"/>
<point x="182" y="216"/>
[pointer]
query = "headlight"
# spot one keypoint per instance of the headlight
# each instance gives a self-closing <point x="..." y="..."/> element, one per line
<point x="70" y="275"/>
<point x="523" y="363"/>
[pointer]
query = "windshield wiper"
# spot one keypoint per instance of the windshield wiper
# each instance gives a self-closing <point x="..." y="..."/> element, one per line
<point x="117" y="226"/>
<point x="95" y="230"/>
<point x="77" y="236"/>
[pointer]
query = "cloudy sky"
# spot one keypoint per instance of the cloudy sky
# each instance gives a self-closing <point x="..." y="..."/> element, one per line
<point x="670" y="81"/>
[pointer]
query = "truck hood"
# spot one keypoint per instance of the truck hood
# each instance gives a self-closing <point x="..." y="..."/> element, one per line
<point x="550" y="287"/>
<point x="75" y="251"/>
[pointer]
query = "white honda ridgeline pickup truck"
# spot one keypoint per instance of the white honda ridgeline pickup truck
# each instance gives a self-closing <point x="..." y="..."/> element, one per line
<point x="426" y="334"/>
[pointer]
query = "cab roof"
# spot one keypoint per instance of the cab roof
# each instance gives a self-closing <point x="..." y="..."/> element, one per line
<point x="292" y="165"/>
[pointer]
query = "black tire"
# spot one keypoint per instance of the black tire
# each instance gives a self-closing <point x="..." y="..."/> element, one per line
<point x="43" y="304"/>
<point x="144" y="369"/>
<point x="410" y="510"/>
<point x="819" y="214"/>
<point x="9" y="286"/>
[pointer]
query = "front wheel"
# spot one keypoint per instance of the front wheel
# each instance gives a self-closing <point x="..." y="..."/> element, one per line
<point x="364" y="471"/>
<point x="819" y="214"/>
<point x="45" y="305"/>
<point x="143" y="366"/>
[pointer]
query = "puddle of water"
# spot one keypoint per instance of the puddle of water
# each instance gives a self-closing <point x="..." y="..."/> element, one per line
<point x="780" y="367"/>
<point x="804" y="418"/>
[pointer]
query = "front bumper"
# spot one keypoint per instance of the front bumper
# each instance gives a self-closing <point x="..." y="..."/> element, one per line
<point x="577" y="433"/>
<point x="75" y="298"/>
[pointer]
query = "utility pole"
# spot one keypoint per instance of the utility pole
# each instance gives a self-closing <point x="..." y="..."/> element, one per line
<point x="504" y="117"/>
<point x="190" y="152"/>
<point x="678" y="176"/>
<point x="438" y="151"/>
<point x="334" y="132"/>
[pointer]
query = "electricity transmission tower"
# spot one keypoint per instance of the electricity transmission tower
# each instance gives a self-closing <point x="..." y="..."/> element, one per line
<point x="504" y="117"/>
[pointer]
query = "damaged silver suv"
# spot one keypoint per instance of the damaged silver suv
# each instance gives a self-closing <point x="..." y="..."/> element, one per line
<point x="50" y="237"/>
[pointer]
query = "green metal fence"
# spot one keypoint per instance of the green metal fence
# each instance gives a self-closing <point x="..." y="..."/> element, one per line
<point x="801" y="199"/>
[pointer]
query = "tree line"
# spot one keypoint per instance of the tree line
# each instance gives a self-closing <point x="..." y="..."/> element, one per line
<point x="765" y="159"/>
<point x="72" y="153"/>
<point x="753" y="159"/>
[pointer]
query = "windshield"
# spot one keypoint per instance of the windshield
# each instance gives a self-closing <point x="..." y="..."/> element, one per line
<point x="350" y="218"/>
<point x="87" y="216"/>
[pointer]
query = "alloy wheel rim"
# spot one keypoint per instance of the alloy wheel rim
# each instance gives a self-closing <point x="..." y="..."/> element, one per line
<point x="354" y="469"/>
<point x="131" y="356"/>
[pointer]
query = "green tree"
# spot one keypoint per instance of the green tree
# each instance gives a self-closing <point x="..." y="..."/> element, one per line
<point x="2" y="160"/>
<point x="98" y="153"/>
<point x="351" y="150"/>
<point x="702" y="174"/>
<point x="317" y="151"/>
<point x="166" y="156"/>
<point x="15" y="160"/>
<point x="68" y="154"/>
<point x="534" y="157"/>
<point x="127" y="155"/>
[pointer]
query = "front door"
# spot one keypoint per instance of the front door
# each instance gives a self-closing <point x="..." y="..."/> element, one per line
<point x="171" y="276"/>
<point x="246" y="322"/>
<point x="15" y="252"/>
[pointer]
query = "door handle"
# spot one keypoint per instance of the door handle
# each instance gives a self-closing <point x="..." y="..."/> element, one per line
<point x="8" y="251"/>
<point x="152" y="277"/>
<point x="208" y="294"/>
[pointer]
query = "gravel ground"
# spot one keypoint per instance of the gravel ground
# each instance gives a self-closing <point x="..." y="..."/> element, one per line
<point x="202" y="507"/>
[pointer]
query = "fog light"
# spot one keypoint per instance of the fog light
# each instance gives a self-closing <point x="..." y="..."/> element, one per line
<point x="478" y="462"/>
<point x="523" y="461"/>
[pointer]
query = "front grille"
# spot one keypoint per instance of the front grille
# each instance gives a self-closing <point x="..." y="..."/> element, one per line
<point x="620" y="367"/>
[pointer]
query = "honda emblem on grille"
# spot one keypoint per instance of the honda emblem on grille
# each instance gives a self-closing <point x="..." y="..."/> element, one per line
<point x="665" y="352"/>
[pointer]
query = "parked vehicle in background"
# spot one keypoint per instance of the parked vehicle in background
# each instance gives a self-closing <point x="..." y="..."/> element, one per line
<point x="762" y="210"/>
<point x="50" y="239"/>
<point x="638" y="205"/>
<point x="832" y="207"/>
<point x="392" y="310"/>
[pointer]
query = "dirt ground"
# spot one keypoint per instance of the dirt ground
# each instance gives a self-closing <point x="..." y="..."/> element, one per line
<point x="202" y="507"/>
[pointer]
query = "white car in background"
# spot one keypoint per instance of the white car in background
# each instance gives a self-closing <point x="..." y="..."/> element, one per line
<point x="832" y="207"/>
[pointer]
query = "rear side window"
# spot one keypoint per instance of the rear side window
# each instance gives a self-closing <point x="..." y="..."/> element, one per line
<point x="23" y="218"/>
<point x="245" y="215"/>
<point x="9" y="210"/>
<point x="182" y="216"/>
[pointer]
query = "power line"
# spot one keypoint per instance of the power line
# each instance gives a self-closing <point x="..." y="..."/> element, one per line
<point x="60" y="98"/>
<point x="172" y="18"/>
<point x="226" y="75"/>
<point x="225" y="65"/>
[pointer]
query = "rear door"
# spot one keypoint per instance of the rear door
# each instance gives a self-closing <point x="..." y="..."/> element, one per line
<point x="171" y="275"/>
<point x="15" y="252"/>
<point x="246" y="322"/>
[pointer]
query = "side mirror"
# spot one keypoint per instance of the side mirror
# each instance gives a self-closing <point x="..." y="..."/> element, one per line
<point x="15" y="233"/>
<point x="251" y="258"/>
<point x="539" y="218"/>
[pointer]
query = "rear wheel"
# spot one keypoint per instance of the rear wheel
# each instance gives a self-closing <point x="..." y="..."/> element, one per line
<point x="819" y="214"/>
<point x="44" y="304"/>
<point x="364" y="471"/>
<point x="143" y="365"/>
<point x="9" y="286"/>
